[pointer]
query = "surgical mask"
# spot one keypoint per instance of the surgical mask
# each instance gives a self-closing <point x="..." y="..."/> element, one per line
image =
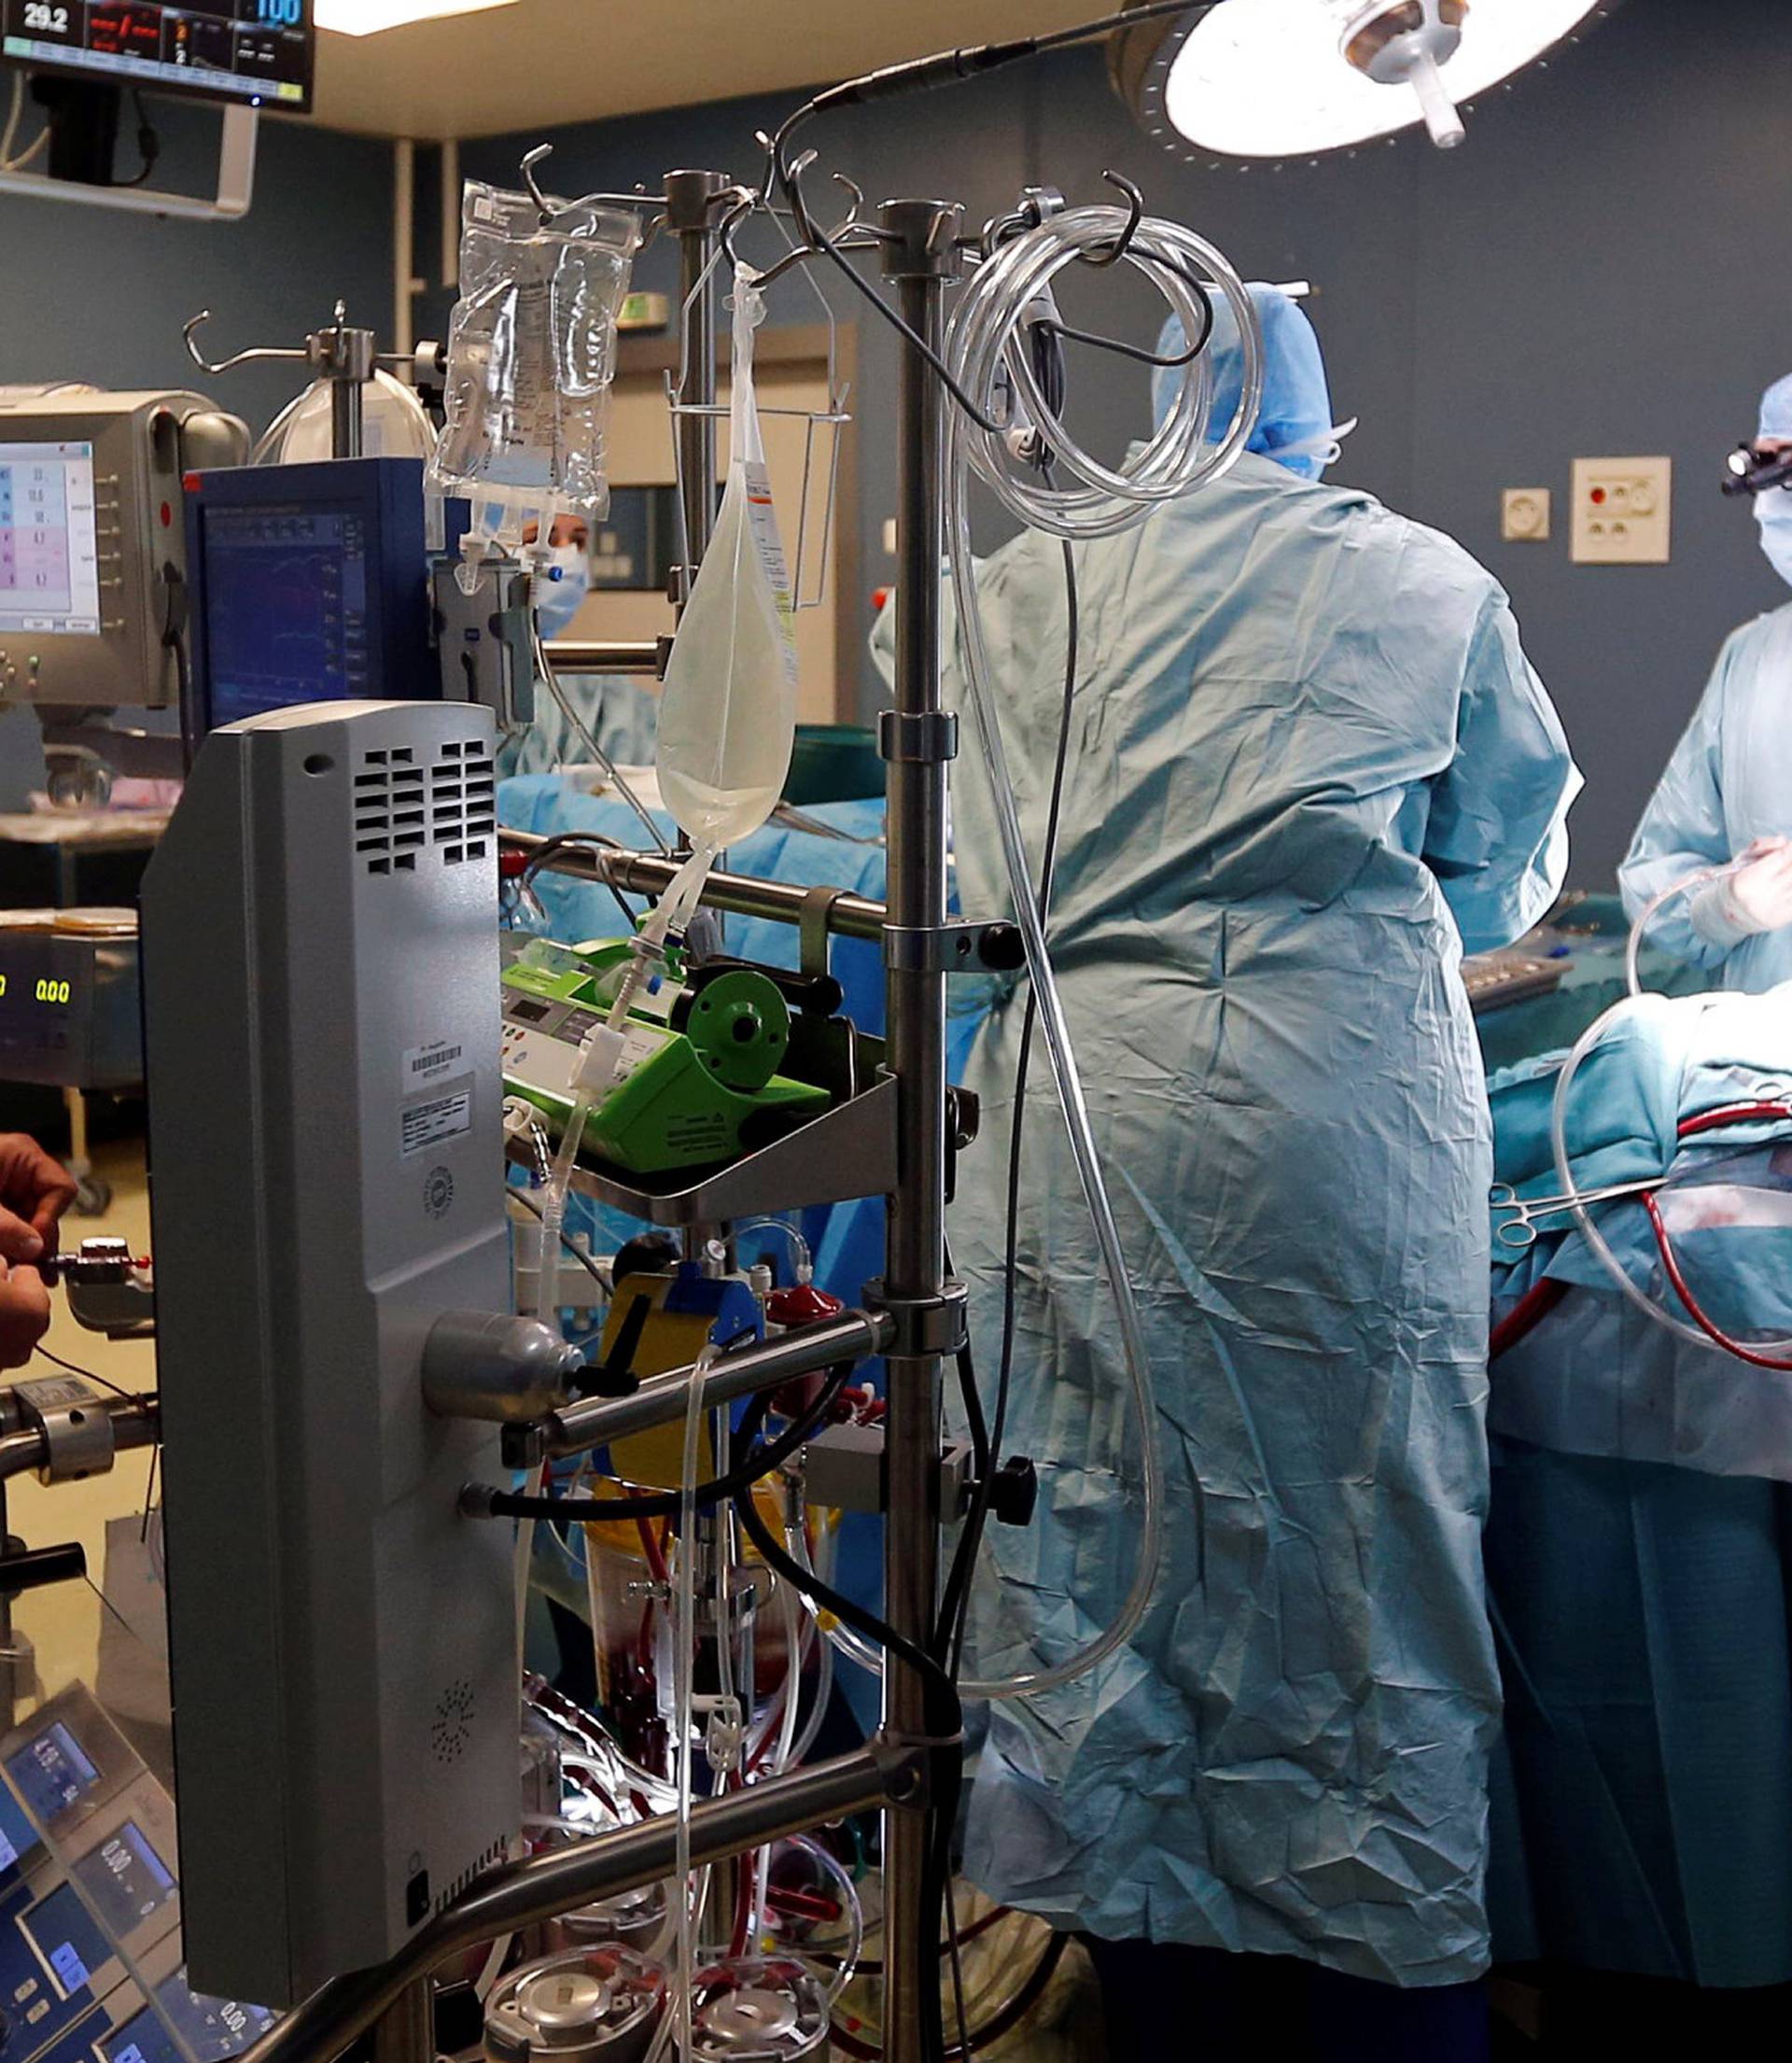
<point x="557" y="601"/>
<point x="1326" y="446"/>
<point x="1773" y="513"/>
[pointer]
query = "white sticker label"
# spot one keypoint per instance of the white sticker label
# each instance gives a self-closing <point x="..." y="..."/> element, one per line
<point x="428" y="1124"/>
<point x="424" y="1064"/>
<point x="762" y="519"/>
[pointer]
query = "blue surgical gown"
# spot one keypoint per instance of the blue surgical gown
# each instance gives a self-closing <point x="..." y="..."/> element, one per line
<point x="621" y="713"/>
<point x="1309" y="761"/>
<point x="1729" y="782"/>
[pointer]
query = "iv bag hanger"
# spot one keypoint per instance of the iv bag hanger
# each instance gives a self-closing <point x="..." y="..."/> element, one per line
<point x="343" y="355"/>
<point x="828" y="420"/>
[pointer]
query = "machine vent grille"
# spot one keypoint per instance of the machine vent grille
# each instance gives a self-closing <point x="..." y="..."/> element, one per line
<point x="496" y="1853"/>
<point x="463" y="811"/>
<point x="402" y="810"/>
<point x="450" y="1734"/>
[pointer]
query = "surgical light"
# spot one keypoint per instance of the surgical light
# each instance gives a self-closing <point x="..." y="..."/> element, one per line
<point x="369" y="16"/>
<point x="1285" y="78"/>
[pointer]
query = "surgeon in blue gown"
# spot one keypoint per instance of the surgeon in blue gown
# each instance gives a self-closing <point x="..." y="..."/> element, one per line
<point x="1309" y="764"/>
<point x="1726" y="794"/>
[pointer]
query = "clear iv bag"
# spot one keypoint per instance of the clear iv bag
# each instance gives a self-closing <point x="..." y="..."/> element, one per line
<point x="728" y="711"/>
<point x="531" y="359"/>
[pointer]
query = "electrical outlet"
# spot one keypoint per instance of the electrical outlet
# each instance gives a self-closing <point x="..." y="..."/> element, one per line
<point x="1623" y="512"/>
<point x="1524" y="515"/>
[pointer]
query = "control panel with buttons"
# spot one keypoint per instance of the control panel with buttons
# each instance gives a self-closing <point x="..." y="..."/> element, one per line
<point x="91" y="1958"/>
<point x="92" y="540"/>
<point x="1623" y="512"/>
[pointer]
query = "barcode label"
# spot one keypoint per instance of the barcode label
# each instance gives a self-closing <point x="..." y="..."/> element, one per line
<point x="423" y="1063"/>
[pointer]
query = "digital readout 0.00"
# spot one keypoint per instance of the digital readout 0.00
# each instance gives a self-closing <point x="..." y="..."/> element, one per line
<point x="49" y="990"/>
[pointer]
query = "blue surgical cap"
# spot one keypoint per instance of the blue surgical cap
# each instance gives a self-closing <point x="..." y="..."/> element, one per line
<point x="1297" y="401"/>
<point x="1776" y="409"/>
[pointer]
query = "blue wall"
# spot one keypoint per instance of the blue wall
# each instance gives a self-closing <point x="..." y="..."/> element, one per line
<point x="1599" y="271"/>
<point x="93" y="294"/>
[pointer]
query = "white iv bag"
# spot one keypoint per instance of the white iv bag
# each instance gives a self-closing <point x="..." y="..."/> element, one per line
<point x="728" y="710"/>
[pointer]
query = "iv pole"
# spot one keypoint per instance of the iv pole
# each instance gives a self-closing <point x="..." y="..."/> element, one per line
<point x="917" y="1316"/>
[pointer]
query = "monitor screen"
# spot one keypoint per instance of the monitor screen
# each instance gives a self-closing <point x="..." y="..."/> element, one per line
<point x="49" y="555"/>
<point x="126" y="1881"/>
<point x="250" y="50"/>
<point x="51" y="1771"/>
<point x="285" y="608"/>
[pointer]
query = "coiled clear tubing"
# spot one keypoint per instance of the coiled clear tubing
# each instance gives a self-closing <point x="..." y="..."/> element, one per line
<point x="986" y="348"/>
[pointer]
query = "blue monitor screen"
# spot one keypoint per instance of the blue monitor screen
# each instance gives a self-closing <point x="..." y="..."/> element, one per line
<point x="126" y="1879"/>
<point x="285" y="609"/>
<point x="212" y="2030"/>
<point x="67" y="1939"/>
<point x="18" y="1836"/>
<point x="50" y="1772"/>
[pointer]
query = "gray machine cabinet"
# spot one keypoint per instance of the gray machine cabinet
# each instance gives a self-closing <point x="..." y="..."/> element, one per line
<point x="321" y="962"/>
<point x="143" y="444"/>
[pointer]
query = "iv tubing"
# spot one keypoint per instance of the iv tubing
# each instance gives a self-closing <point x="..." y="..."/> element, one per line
<point x="985" y="341"/>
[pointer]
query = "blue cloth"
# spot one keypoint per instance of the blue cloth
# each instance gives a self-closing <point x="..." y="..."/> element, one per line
<point x="1643" y="1790"/>
<point x="1308" y="760"/>
<point x="1296" y="397"/>
<point x="617" y="711"/>
<point x="1598" y="1376"/>
<point x="1729" y="782"/>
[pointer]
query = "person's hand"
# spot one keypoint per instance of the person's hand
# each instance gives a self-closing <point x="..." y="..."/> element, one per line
<point x="34" y="1191"/>
<point x="1757" y="897"/>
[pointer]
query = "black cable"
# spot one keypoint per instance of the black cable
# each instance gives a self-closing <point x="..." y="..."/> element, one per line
<point x="86" y="1375"/>
<point x="149" y="143"/>
<point x="558" y="842"/>
<point x="567" y="1240"/>
<point x="757" y="1462"/>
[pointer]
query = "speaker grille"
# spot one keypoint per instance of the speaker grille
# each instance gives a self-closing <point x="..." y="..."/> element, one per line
<point x="450" y="1733"/>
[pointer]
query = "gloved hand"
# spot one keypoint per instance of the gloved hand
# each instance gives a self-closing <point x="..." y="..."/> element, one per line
<point x="34" y="1191"/>
<point x="1756" y="897"/>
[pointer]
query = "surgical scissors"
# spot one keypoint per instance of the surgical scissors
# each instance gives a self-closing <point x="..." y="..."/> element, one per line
<point x="1518" y="1232"/>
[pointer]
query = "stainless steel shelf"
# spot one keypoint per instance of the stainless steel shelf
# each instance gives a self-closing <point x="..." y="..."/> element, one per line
<point x="846" y="1153"/>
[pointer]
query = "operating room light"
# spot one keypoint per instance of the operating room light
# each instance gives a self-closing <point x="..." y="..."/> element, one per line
<point x="369" y="16"/>
<point x="1282" y="79"/>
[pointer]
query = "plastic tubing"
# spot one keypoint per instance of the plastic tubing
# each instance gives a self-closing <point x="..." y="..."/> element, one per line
<point x="830" y="1865"/>
<point x="799" y="1246"/>
<point x="684" y="1671"/>
<point x="853" y="1646"/>
<point x="985" y="339"/>
<point x="1651" y="1308"/>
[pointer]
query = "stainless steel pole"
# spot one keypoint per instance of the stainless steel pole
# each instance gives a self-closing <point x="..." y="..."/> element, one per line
<point x="642" y="873"/>
<point x="691" y="204"/>
<point x="918" y="741"/>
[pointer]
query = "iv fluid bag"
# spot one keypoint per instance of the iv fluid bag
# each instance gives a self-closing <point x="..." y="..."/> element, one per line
<point x="728" y="711"/>
<point x="531" y="358"/>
